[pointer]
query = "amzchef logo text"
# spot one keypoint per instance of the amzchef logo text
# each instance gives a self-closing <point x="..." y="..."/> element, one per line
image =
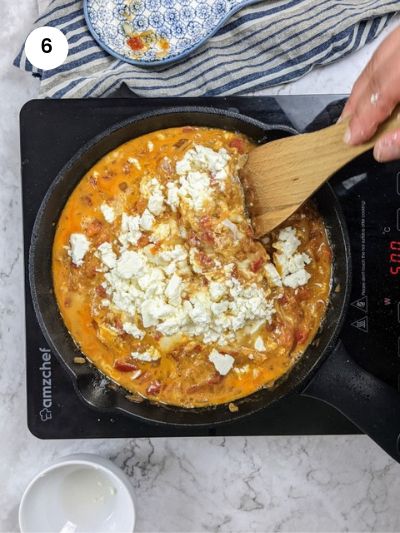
<point x="47" y="392"/>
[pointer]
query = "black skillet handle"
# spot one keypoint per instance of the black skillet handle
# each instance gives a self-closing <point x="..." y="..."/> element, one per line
<point x="370" y="404"/>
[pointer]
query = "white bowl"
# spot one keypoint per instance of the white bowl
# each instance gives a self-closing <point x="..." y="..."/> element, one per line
<point x="78" y="493"/>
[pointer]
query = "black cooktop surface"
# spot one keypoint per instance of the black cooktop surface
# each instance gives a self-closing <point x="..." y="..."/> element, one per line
<point x="53" y="130"/>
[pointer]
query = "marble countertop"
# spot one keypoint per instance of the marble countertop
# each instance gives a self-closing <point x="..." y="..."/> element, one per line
<point x="209" y="484"/>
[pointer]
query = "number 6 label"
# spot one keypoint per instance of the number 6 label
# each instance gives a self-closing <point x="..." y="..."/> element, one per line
<point x="46" y="48"/>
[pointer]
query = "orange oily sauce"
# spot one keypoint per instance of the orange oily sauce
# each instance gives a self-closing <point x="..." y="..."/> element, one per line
<point x="183" y="374"/>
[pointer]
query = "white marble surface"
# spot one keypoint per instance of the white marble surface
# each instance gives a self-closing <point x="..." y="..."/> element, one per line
<point x="237" y="484"/>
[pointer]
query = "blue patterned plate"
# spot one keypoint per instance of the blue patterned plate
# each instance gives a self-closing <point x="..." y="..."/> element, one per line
<point x="156" y="32"/>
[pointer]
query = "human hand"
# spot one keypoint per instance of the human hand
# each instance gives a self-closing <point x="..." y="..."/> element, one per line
<point x="373" y="99"/>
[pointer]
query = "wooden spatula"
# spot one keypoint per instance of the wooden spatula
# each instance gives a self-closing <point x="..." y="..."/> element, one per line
<point x="281" y="175"/>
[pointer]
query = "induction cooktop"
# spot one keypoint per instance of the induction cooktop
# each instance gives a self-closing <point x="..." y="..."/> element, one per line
<point x="53" y="130"/>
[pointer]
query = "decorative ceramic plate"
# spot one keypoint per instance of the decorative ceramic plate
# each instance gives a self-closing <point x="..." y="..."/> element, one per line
<point x="155" y="32"/>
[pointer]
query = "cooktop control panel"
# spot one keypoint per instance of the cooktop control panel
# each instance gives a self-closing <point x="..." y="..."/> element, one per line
<point x="370" y="196"/>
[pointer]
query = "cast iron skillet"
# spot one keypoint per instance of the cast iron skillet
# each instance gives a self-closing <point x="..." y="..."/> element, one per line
<point x="372" y="405"/>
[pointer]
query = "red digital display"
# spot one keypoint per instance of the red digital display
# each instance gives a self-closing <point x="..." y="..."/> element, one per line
<point x="395" y="258"/>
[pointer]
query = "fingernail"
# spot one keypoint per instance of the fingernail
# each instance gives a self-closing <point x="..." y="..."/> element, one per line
<point x="378" y="153"/>
<point x="389" y="153"/>
<point x="347" y="136"/>
<point x="387" y="149"/>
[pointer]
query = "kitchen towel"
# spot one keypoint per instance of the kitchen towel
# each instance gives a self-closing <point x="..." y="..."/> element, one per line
<point x="264" y="44"/>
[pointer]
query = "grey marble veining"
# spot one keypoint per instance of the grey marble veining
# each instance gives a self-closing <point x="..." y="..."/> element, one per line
<point x="209" y="484"/>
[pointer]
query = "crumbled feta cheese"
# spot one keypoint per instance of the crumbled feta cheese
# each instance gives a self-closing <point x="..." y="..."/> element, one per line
<point x="160" y="232"/>
<point x="291" y="265"/>
<point x="79" y="245"/>
<point x="136" y="375"/>
<point x="242" y="369"/>
<point x="287" y="242"/>
<point x="223" y="362"/>
<point x="248" y="304"/>
<point x="219" y="307"/>
<point x="194" y="170"/>
<point x="178" y="253"/>
<point x="129" y="264"/>
<point x="172" y="196"/>
<point x="174" y="289"/>
<point x="273" y="275"/>
<point x="130" y="229"/>
<point x="133" y="161"/>
<point x="297" y="279"/>
<point x="108" y="213"/>
<point x="105" y="302"/>
<point x="228" y="269"/>
<point x="149" y="284"/>
<point x="107" y="255"/>
<point x="150" y="146"/>
<point x="195" y="189"/>
<point x="146" y="221"/>
<point x="203" y="158"/>
<point x="215" y="161"/>
<point x="259" y="344"/>
<point x="199" y="309"/>
<point x="174" y="323"/>
<point x="153" y="310"/>
<point x="153" y="190"/>
<point x="155" y="204"/>
<point x="216" y="290"/>
<point x="237" y="235"/>
<point x="152" y="281"/>
<point x="196" y="267"/>
<point x="133" y="330"/>
<point x="152" y="354"/>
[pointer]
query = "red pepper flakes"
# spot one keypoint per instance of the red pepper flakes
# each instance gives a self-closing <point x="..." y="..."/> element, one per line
<point x="94" y="228"/>
<point x="300" y="336"/>
<point x="238" y="144"/>
<point x="86" y="200"/>
<point x="154" y="388"/>
<point x="118" y="326"/>
<point x="100" y="291"/>
<point x="205" y="221"/>
<point x="204" y="260"/>
<point x="143" y="241"/>
<point x="256" y="264"/>
<point x="215" y="379"/>
<point x="135" y="43"/>
<point x="124" y="366"/>
<point x="93" y="181"/>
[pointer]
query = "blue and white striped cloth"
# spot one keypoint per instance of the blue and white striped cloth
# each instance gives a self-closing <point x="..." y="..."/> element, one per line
<point x="265" y="44"/>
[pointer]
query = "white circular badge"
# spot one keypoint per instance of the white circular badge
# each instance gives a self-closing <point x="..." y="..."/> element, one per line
<point x="46" y="48"/>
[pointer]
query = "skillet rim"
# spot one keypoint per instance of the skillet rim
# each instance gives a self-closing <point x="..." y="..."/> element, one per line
<point x="120" y="403"/>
